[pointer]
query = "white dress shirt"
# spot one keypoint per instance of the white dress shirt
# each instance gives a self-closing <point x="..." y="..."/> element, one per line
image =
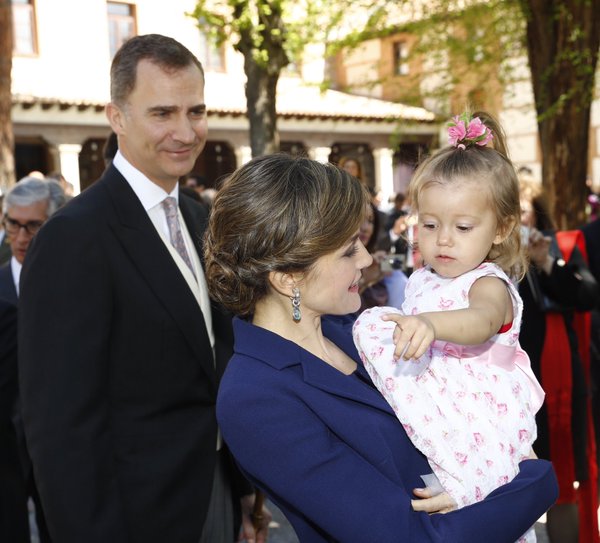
<point x="151" y="197"/>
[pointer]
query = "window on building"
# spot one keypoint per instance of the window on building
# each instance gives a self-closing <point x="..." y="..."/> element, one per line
<point x="211" y="56"/>
<point x="121" y="24"/>
<point x="400" y="58"/>
<point x="25" y="42"/>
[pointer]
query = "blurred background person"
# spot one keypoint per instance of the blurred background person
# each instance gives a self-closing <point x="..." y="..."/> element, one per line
<point x="110" y="148"/>
<point x="591" y="233"/>
<point x="67" y="187"/>
<point x="354" y="168"/>
<point x="383" y="281"/>
<point x="554" y="288"/>
<point x="5" y="252"/>
<point x="27" y="206"/>
<point x="397" y="227"/>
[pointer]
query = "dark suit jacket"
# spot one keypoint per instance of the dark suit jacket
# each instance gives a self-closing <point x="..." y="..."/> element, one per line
<point x="330" y="452"/>
<point x="118" y="381"/>
<point x="8" y="292"/>
<point x="5" y="251"/>
<point x="14" y="522"/>
<point x="591" y="232"/>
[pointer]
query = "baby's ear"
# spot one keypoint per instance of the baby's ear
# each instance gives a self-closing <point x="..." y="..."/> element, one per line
<point x="504" y="230"/>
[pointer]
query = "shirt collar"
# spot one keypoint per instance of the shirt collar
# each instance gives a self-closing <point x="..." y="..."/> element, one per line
<point x="15" y="268"/>
<point x="149" y="193"/>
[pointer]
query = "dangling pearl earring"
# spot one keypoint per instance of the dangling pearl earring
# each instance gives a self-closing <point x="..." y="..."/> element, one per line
<point x="296" y="314"/>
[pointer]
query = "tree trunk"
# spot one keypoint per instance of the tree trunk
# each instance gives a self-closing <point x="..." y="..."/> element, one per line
<point x="264" y="58"/>
<point x="562" y="42"/>
<point x="261" y="94"/>
<point x="7" y="157"/>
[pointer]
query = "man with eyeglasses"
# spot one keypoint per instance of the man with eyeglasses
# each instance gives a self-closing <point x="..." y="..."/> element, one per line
<point x="5" y="252"/>
<point x="26" y="206"/>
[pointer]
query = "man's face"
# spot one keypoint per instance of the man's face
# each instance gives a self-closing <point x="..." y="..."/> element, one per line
<point x="17" y="217"/>
<point x="162" y="126"/>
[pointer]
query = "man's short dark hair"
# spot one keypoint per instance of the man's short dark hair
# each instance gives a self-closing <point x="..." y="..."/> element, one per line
<point x="163" y="51"/>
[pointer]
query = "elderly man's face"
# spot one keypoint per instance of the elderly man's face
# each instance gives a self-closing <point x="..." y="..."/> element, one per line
<point x="21" y="223"/>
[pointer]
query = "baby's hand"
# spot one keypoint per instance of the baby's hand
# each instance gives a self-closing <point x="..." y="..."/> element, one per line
<point x="412" y="335"/>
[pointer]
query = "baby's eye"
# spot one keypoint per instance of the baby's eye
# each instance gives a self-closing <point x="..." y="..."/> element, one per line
<point x="464" y="228"/>
<point x="428" y="225"/>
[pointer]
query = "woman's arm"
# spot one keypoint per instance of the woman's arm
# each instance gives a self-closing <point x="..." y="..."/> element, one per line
<point x="287" y="447"/>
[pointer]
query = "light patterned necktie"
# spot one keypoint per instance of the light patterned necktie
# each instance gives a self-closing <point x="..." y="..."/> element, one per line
<point x="170" y="206"/>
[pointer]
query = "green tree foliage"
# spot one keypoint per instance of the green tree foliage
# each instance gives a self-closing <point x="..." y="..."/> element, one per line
<point x="272" y="34"/>
<point x="470" y="47"/>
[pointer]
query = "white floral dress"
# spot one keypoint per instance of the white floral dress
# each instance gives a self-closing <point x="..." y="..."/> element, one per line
<point x="469" y="409"/>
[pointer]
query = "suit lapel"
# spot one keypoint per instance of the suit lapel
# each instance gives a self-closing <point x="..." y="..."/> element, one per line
<point x="154" y="263"/>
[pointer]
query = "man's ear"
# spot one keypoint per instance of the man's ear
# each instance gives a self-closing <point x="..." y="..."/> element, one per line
<point x="504" y="231"/>
<point x="282" y="282"/>
<point x="114" y="114"/>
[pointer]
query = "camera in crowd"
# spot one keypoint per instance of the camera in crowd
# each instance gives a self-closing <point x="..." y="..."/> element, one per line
<point x="393" y="261"/>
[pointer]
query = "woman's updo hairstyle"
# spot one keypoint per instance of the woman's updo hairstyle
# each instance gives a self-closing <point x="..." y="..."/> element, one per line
<point x="277" y="213"/>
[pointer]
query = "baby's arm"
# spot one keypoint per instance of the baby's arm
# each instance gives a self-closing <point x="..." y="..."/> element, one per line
<point x="489" y="308"/>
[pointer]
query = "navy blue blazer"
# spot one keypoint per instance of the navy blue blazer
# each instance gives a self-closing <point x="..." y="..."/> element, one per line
<point x="329" y="451"/>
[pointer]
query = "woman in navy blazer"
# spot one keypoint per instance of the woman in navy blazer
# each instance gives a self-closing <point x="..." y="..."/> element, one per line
<point x="295" y="405"/>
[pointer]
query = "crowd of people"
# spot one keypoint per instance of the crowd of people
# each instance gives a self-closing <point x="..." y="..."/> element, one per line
<point x="170" y="354"/>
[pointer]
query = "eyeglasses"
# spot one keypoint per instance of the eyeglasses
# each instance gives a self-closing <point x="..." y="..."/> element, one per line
<point x="13" y="227"/>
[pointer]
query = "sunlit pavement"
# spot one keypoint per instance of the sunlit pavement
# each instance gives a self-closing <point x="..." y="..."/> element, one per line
<point x="280" y="530"/>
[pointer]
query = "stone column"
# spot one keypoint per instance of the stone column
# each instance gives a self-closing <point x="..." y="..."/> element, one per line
<point x="320" y="154"/>
<point x="384" y="173"/>
<point x="68" y="155"/>
<point x="243" y="154"/>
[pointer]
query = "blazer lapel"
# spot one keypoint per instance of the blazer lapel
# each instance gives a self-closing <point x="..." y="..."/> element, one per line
<point x="281" y="353"/>
<point x="322" y="376"/>
<point x="144" y="246"/>
<point x="327" y="378"/>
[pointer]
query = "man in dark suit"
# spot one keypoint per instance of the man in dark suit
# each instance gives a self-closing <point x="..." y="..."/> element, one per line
<point x="27" y="205"/>
<point x="5" y="253"/>
<point x="14" y="523"/>
<point x="119" y="385"/>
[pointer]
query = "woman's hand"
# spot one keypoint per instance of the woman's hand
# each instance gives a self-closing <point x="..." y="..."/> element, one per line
<point x="441" y="503"/>
<point x="539" y="250"/>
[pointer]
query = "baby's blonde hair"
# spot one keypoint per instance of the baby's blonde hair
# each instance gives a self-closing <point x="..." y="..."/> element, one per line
<point x="491" y="168"/>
